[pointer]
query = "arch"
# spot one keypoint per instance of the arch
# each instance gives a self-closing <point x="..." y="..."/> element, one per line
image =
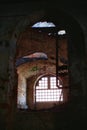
<point x="67" y="23"/>
<point x="46" y="93"/>
<point x="48" y="76"/>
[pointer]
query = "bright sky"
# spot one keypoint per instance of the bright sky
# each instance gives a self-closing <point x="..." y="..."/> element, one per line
<point x="43" y="24"/>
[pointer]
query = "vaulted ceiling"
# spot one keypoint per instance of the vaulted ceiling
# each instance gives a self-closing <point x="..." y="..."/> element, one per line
<point x="13" y="11"/>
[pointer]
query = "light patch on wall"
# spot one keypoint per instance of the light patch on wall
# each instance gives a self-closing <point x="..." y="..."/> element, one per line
<point x="21" y="99"/>
<point x="32" y="57"/>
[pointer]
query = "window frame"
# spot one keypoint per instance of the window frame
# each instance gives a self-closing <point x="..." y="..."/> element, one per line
<point x="48" y="88"/>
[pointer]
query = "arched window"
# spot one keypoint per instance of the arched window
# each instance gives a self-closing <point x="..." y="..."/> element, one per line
<point x="47" y="94"/>
<point x="47" y="91"/>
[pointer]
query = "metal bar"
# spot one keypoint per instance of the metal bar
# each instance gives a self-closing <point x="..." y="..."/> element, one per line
<point x="57" y="61"/>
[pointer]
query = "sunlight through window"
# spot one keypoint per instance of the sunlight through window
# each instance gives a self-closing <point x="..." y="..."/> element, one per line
<point x="47" y="91"/>
<point x="43" y="24"/>
<point x="61" y="32"/>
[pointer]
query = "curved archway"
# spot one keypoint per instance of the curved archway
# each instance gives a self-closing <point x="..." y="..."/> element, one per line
<point x="75" y="46"/>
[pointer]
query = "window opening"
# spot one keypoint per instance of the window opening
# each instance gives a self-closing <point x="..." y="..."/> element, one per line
<point x="47" y="91"/>
<point x="43" y="24"/>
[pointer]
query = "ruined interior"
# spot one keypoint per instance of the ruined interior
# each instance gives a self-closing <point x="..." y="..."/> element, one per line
<point x="31" y="43"/>
<point x="43" y="71"/>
